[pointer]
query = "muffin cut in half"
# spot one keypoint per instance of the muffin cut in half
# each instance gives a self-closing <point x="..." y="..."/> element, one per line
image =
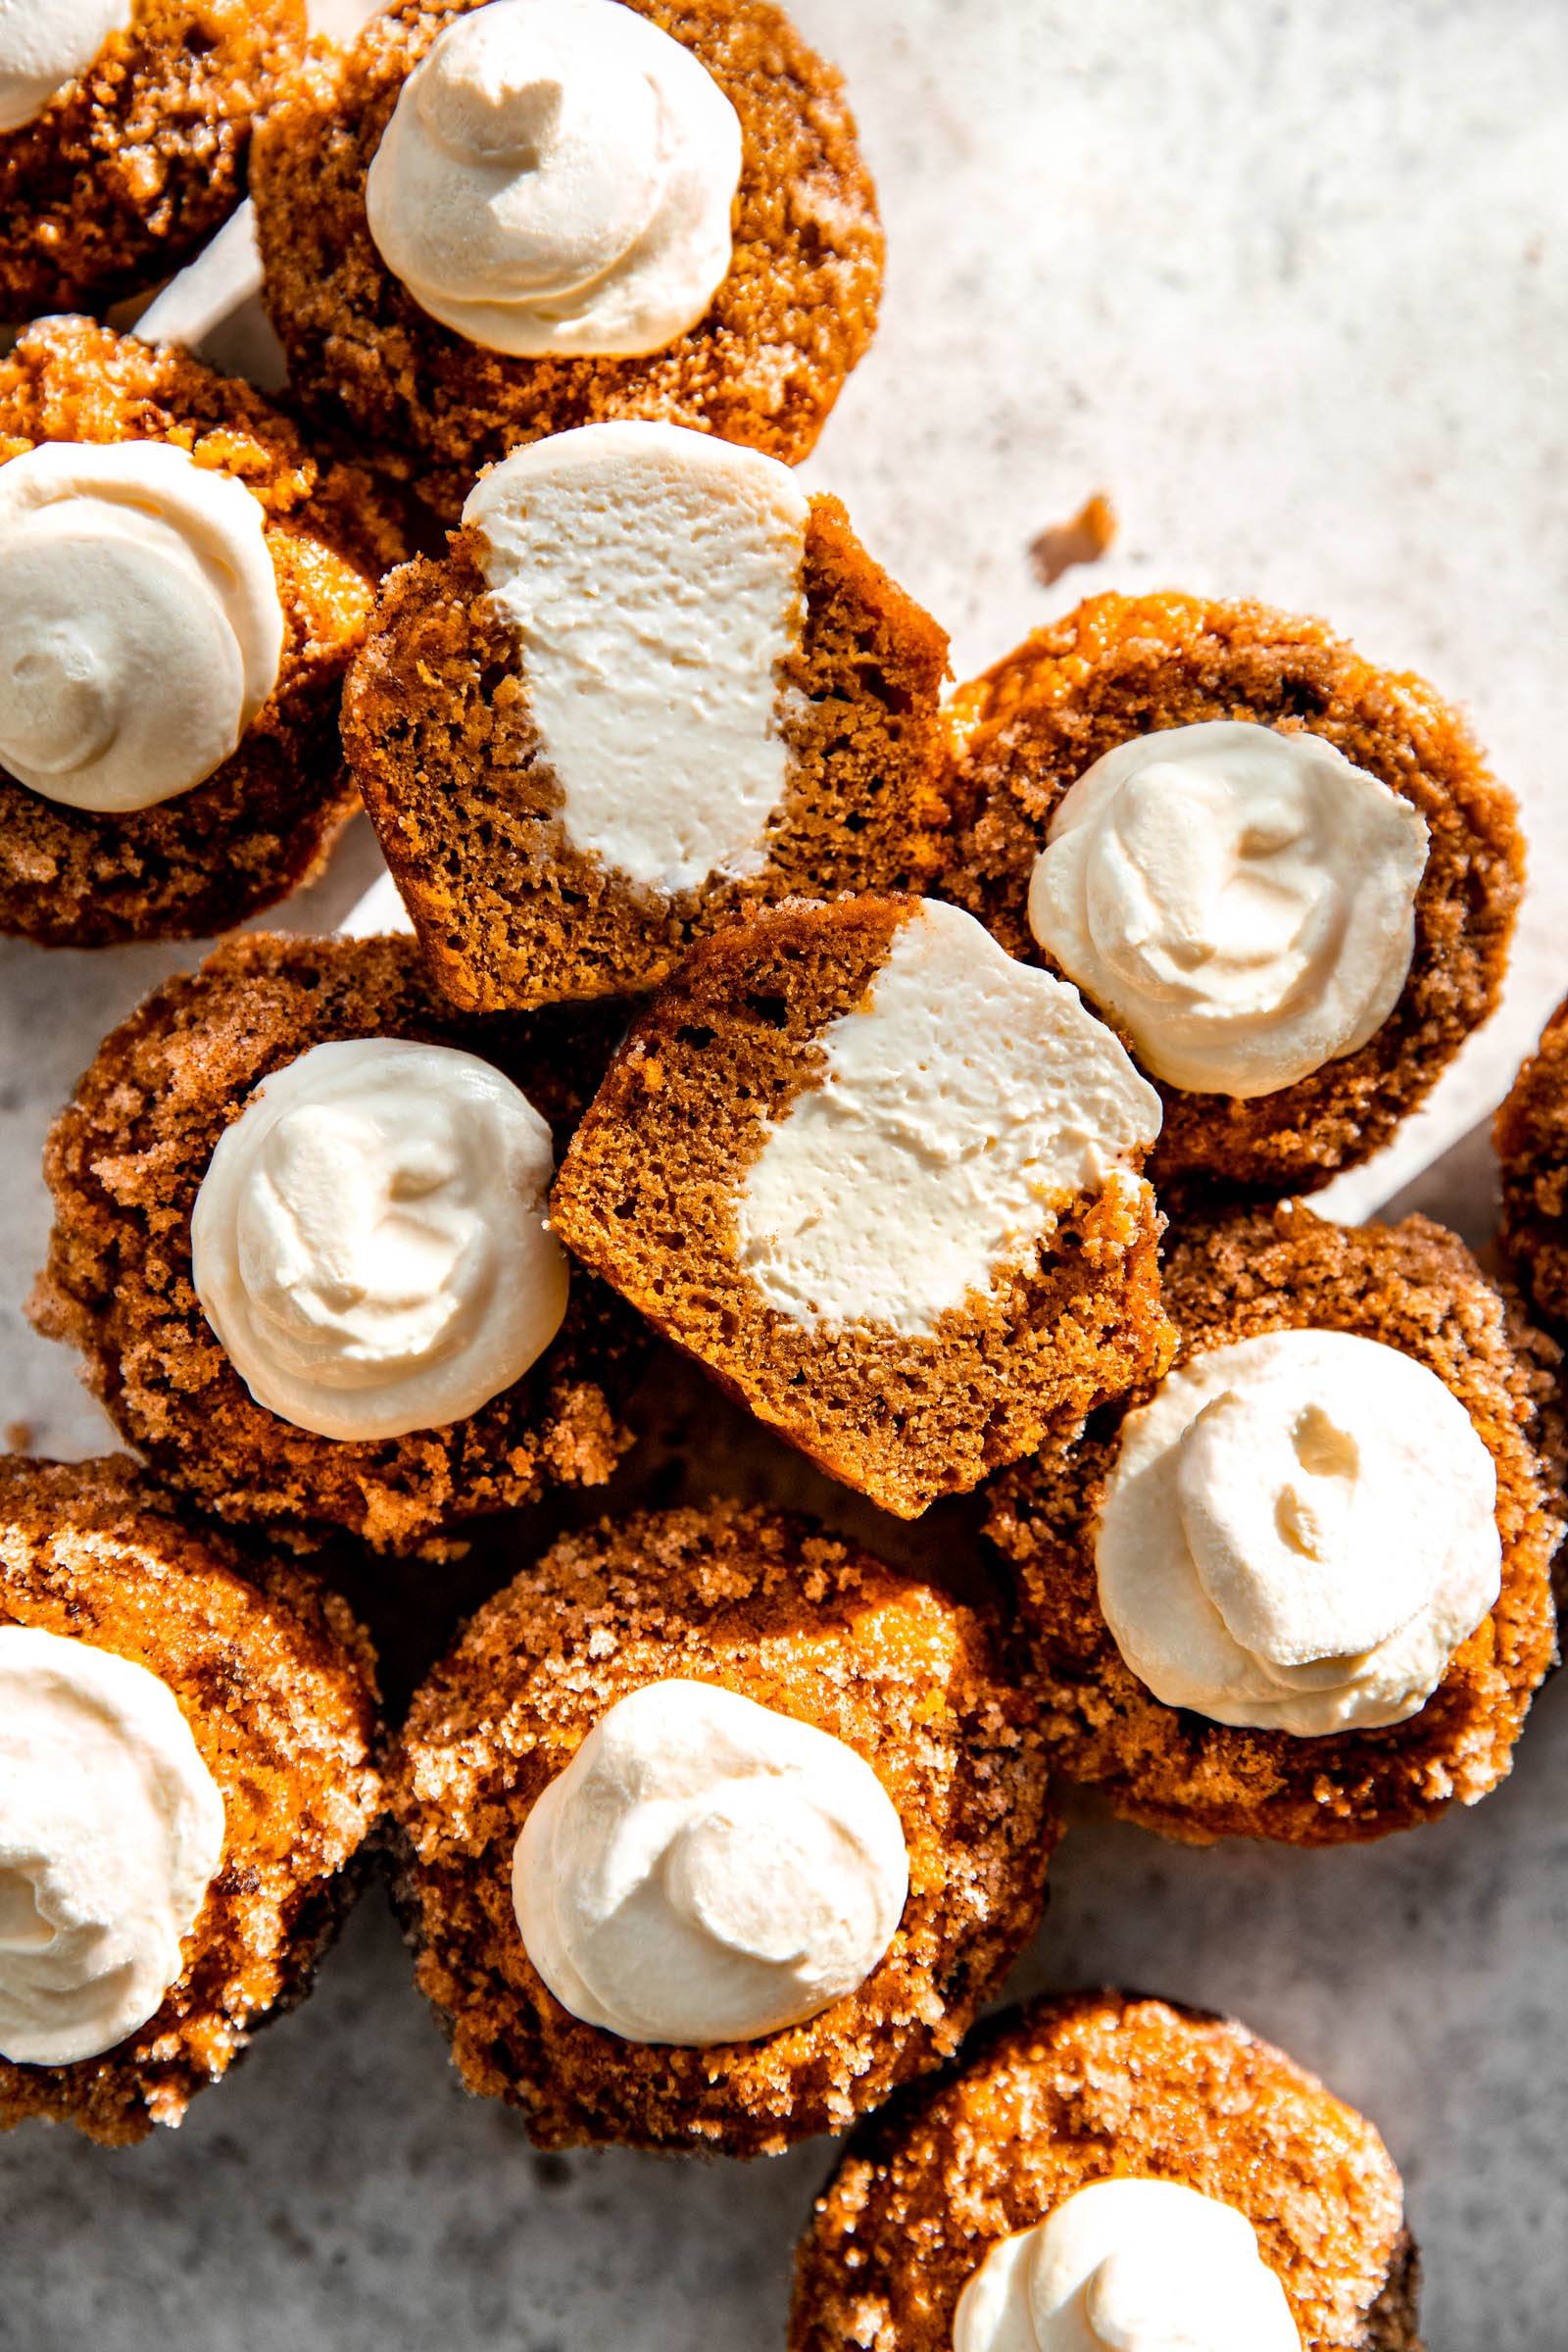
<point x="1119" y="2156"/>
<point x="881" y="1181"/>
<point x="1531" y="1134"/>
<point x="481" y="224"/>
<point x="299" y="1239"/>
<point x="1286" y="878"/>
<point x="182" y="586"/>
<point x="188" y="1744"/>
<point x="1302" y="1590"/>
<point x="715" y="1829"/>
<point x="651" y="684"/>
<point x="123" y="130"/>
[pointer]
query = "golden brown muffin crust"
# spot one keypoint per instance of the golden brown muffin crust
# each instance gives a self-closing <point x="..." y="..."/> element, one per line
<point x="278" y="1684"/>
<point x="1089" y="2088"/>
<point x="647" y="1197"/>
<point x="1414" y="1287"/>
<point x="143" y="157"/>
<point x="438" y="728"/>
<point x="124" y="1161"/>
<point x="262" y="824"/>
<point x="763" y="367"/>
<point x="1120" y="666"/>
<point x="1531" y="1134"/>
<point x="766" y="1607"/>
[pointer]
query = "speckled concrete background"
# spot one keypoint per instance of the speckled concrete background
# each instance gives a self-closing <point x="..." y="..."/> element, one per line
<point x="1288" y="279"/>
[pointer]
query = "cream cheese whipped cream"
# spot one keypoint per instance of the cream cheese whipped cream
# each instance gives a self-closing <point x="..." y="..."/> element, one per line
<point x="706" y="1870"/>
<point x="111" y="1832"/>
<point x="558" y="179"/>
<point x="45" y="45"/>
<point x="140" y="625"/>
<point x="370" y="1244"/>
<point x="1297" y="1534"/>
<point x="652" y="578"/>
<point x="1128" y="2266"/>
<point x="964" y="1103"/>
<point x="1239" y="902"/>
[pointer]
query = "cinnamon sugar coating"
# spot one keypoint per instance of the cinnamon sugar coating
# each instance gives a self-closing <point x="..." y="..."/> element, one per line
<point x="508" y="911"/>
<point x="1412" y="1286"/>
<point x="1087" y="2087"/>
<point x="124" y="1160"/>
<point x="763" y="367"/>
<point x="769" y="1607"/>
<point x="278" y="1684"/>
<point x="143" y="157"/>
<point x="647" y="1197"/>
<point x="262" y="824"/>
<point x="1121" y="667"/>
<point x="1531" y="1134"/>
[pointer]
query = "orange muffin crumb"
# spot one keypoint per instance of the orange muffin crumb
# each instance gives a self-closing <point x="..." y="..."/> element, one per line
<point x="764" y="367"/>
<point x="773" y="1609"/>
<point x="1414" y="1287"/>
<point x="1096" y="2087"/>
<point x="278" y="1684"/>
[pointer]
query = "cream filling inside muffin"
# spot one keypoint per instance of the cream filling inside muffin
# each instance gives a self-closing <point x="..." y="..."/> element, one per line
<point x="140" y="624"/>
<point x="1128" y="2265"/>
<point x="111" y="1832"/>
<point x="1239" y="902"/>
<point x="45" y="45"/>
<point x="653" y="579"/>
<point x="558" y="177"/>
<point x="960" y="1107"/>
<point x="369" y="1243"/>
<point x="1297" y="1533"/>
<point x="706" y="1870"/>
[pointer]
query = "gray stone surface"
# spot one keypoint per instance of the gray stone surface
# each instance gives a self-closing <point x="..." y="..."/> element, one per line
<point x="1289" y="278"/>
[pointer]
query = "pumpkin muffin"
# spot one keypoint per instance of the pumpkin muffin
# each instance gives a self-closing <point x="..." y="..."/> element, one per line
<point x="1286" y="878"/>
<point x="189" y="1745"/>
<point x="482" y="225"/>
<point x="651" y="684"/>
<point x="881" y="1181"/>
<point x="123" y="130"/>
<point x="715" y="1829"/>
<point x="298" y="1149"/>
<point x="1107" y="2155"/>
<point x="1302" y="1590"/>
<point x="181" y="587"/>
<point x="1531" y="1134"/>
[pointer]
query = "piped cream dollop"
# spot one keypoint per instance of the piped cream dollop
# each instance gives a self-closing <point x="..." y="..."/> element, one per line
<point x="140" y="625"/>
<point x="558" y="177"/>
<point x="706" y="1870"/>
<point x="1128" y="2266"/>
<point x="1298" y="1531"/>
<point x="111" y="1832"/>
<point x="961" y="1106"/>
<point x="653" y="579"/>
<point x="1241" y="902"/>
<point x="370" y="1244"/>
<point x="45" y="45"/>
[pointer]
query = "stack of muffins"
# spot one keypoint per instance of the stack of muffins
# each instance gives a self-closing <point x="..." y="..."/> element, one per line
<point x="940" y="1074"/>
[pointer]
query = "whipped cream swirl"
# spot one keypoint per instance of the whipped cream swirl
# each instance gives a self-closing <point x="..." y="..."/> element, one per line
<point x="45" y="45"/>
<point x="1128" y="2266"/>
<point x="370" y="1244"/>
<point x="111" y="1832"/>
<point x="558" y="179"/>
<point x="1298" y="1531"/>
<point x="140" y="626"/>
<point x="705" y="1870"/>
<point x="1239" y="902"/>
